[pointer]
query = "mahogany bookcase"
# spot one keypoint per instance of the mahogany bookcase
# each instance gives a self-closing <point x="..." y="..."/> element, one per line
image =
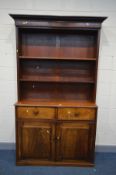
<point x="56" y="111"/>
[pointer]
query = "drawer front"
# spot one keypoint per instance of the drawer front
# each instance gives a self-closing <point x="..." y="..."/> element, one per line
<point x="35" y="112"/>
<point x="76" y="114"/>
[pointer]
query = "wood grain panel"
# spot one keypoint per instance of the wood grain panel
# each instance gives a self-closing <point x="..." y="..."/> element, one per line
<point x="66" y="52"/>
<point x="58" y="43"/>
<point x="56" y="91"/>
<point x="35" y="112"/>
<point x="76" y="113"/>
<point x="35" y="141"/>
<point x="57" y="71"/>
<point x="75" y="141"/>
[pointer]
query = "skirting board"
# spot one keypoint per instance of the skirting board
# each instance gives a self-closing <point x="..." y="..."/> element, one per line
<point x="7" y="146"/>
<point x="105" y="148"/>
<point x="98" y="148"/>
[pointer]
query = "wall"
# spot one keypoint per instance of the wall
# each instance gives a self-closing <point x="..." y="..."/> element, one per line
<point x="106" y="91"/>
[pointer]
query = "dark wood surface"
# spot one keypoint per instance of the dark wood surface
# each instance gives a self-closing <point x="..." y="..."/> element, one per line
<point x="45" y="91"/>
<point x="36" y="112"/>
<point x="74" y="141"/>
<point x="35" y="140"/>
<point x="58" y="44"/>
<point x="56" y="58"/>
<point x="76" y="114"/>
<point x="56" y="103"/>
<point x="30" y="17"/>
<point x="56" y="112"/>
<point x="57" y="71"/>
<point x="67" y="22"/>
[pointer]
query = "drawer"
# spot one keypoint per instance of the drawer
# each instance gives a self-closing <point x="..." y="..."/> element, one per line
<point x="35" y="112"/>
<point x="76" y="113"/>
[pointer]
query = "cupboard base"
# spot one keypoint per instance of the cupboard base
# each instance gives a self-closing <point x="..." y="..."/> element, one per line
<point x="49" y="163"/>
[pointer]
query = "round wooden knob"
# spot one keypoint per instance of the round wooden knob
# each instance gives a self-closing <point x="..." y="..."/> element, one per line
<point x="69" y="112"/>
<point x="27" y="110"/>
<point x="58" y="138"/>
<point x="77" y="114"/>
<point x="35" y="112"/>
<point x="48" y="131"/>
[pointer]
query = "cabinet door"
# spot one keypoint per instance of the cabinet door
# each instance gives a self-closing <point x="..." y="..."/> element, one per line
<point x="75" y="141"/>
<point x="34" y="141"/>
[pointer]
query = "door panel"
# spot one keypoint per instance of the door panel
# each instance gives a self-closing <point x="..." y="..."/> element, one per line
<point x="35" y="140"/>
<point x="75" y="141"/>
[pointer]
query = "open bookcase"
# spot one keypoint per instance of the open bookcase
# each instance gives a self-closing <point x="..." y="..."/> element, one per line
<point x="57" y="60"/>
<point x="57" y="65"/>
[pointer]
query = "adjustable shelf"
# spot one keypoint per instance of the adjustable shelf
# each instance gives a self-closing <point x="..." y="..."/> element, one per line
<point x="50" y="91"/>
<point x="59" y="71"/>
<point x="56" y="79"/>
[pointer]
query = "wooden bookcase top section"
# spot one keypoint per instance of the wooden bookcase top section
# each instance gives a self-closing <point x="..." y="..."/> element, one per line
<point x="57" y="58"/>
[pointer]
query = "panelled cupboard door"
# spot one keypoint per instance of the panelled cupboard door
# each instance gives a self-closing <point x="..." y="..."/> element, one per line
<point x="75" y="142"/>
<point x="35" y="141"/>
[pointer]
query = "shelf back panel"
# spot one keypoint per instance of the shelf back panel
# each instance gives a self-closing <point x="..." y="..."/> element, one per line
<point x="46" y="70"/>
<point x="56" y="91"/>
<point x="79" y="44"/>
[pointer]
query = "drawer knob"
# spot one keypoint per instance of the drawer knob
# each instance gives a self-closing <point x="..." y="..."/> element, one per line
<point x="58" y="138"/>
<point x="35" y="112"/>
<point x="77" y="114"/>
<point x="69" y="112"/>
<point x="48" y="131"/>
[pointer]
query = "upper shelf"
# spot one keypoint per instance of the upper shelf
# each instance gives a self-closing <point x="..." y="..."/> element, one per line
<point x="56" y="58"/>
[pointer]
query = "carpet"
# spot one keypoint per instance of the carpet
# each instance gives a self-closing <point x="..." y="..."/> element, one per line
<point x="105" y="165"/>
